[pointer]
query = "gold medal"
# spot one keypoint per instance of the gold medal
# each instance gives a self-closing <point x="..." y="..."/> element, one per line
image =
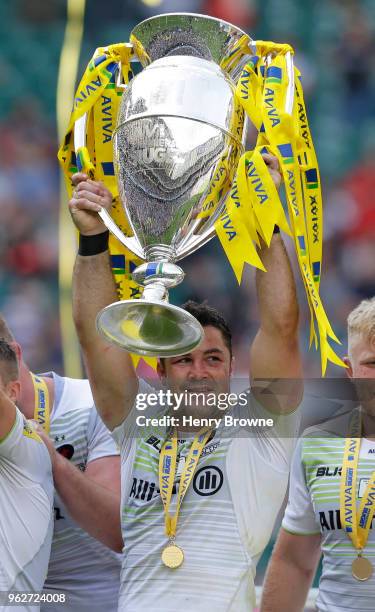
<point x="172" y="556"/>
<point x="362" y="568"/>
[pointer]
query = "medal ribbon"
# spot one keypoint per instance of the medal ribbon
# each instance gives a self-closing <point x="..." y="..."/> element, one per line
<point x="42" y="411"/>
<point x="99" y="97"/>
<point x="357" y="529"/>
<point x="253" y="207"/>
<point x="167" y="473"/>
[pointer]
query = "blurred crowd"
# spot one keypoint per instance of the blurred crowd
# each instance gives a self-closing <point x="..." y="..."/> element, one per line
<point x="334" y="43"/>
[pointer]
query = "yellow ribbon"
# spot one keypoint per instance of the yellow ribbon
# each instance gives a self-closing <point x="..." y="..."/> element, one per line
<point x="42" y="410"/>
<point x="99" y="97"/>
<point x="254" y="208"/>
<point x="167" y="474"/>
<point x="356" y="526"/>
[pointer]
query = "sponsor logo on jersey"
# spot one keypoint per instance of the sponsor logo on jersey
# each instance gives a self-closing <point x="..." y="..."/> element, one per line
<point x="146" y="490"/>
<point x="155" y="442"/>
<point x="210" y="448"/>
<point x="326" y="470"/>
<point x="208" y="480"/>
<point x="330" y="520"/>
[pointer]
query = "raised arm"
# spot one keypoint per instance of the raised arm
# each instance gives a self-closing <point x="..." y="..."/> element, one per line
<point x="290" y="572"/>
<point x="110" y="370"/>
<point x="275" y="351"/>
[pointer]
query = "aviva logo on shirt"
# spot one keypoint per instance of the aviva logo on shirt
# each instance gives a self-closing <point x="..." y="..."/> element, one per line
<point x="30" y="432"/>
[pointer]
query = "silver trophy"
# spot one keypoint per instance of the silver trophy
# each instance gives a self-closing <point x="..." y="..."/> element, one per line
<point x="180" y="134"/>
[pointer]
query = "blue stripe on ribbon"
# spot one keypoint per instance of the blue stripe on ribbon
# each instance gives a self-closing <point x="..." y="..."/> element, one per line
<point x="118" y="261"/>
<point x="316" y="268"/>
<point x="286" y="150"/>
<point x="108" y="168"/>
<point x="79" y="163"/>
<point x="311" y="175"/>
<point x="112" y="68"/>
<point x="98" y="60"/>
<point x="274" y="71"/>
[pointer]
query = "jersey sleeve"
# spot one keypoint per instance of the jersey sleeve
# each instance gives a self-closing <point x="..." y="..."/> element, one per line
<point x="24" y="449"/>
<point x="299" y="517"/>
<point x="100" y="443"/>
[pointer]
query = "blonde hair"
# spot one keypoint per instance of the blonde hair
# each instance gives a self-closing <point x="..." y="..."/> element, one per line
<point x="361" y="322"/>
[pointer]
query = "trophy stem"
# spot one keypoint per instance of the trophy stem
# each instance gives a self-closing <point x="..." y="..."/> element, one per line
<point x="155" y="292"/>
<point x="151" y="326"/>
<point x="158" y="274"/>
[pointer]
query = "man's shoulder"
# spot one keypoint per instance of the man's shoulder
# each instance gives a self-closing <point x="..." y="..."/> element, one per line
<point x="80" y="389"/>
<point x="76" y="384"/>
<point x="324" y="440"/>
<point x="72" y="394"/>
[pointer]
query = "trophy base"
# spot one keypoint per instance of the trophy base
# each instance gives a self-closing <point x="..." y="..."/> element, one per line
<point x="150" y="328"/>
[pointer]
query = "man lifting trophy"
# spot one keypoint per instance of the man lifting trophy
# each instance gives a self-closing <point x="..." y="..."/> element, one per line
<point x="198" y="505"/>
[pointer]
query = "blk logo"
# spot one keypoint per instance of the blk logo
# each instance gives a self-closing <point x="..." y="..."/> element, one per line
<point x="325" y="470"/>
<point x="208" y="480"/>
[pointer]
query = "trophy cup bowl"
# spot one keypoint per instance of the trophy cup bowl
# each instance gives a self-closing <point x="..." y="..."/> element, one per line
<point x="180" y="131"/>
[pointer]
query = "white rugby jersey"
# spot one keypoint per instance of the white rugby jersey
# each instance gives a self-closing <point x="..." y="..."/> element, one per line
<point x="314" y="507"/>
<point x="26" y="511"/>
<point x="225" y="520"/>
<point x="80" y="566"/>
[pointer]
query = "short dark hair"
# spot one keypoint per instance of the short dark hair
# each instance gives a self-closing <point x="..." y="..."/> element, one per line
<point x="5" y="333"/>
<point x="8" y="363"/>
<point x="207" y="315"/>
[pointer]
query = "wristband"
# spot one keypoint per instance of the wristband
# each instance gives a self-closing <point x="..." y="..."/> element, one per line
<point x="276" y="229"/>
<point x="93" y="245"/>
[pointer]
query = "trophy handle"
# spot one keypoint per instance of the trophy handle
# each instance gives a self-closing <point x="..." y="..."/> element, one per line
<point x="129" y="242"/>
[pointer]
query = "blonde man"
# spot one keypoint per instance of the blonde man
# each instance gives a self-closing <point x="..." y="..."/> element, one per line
<point x="335" y="459"/>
